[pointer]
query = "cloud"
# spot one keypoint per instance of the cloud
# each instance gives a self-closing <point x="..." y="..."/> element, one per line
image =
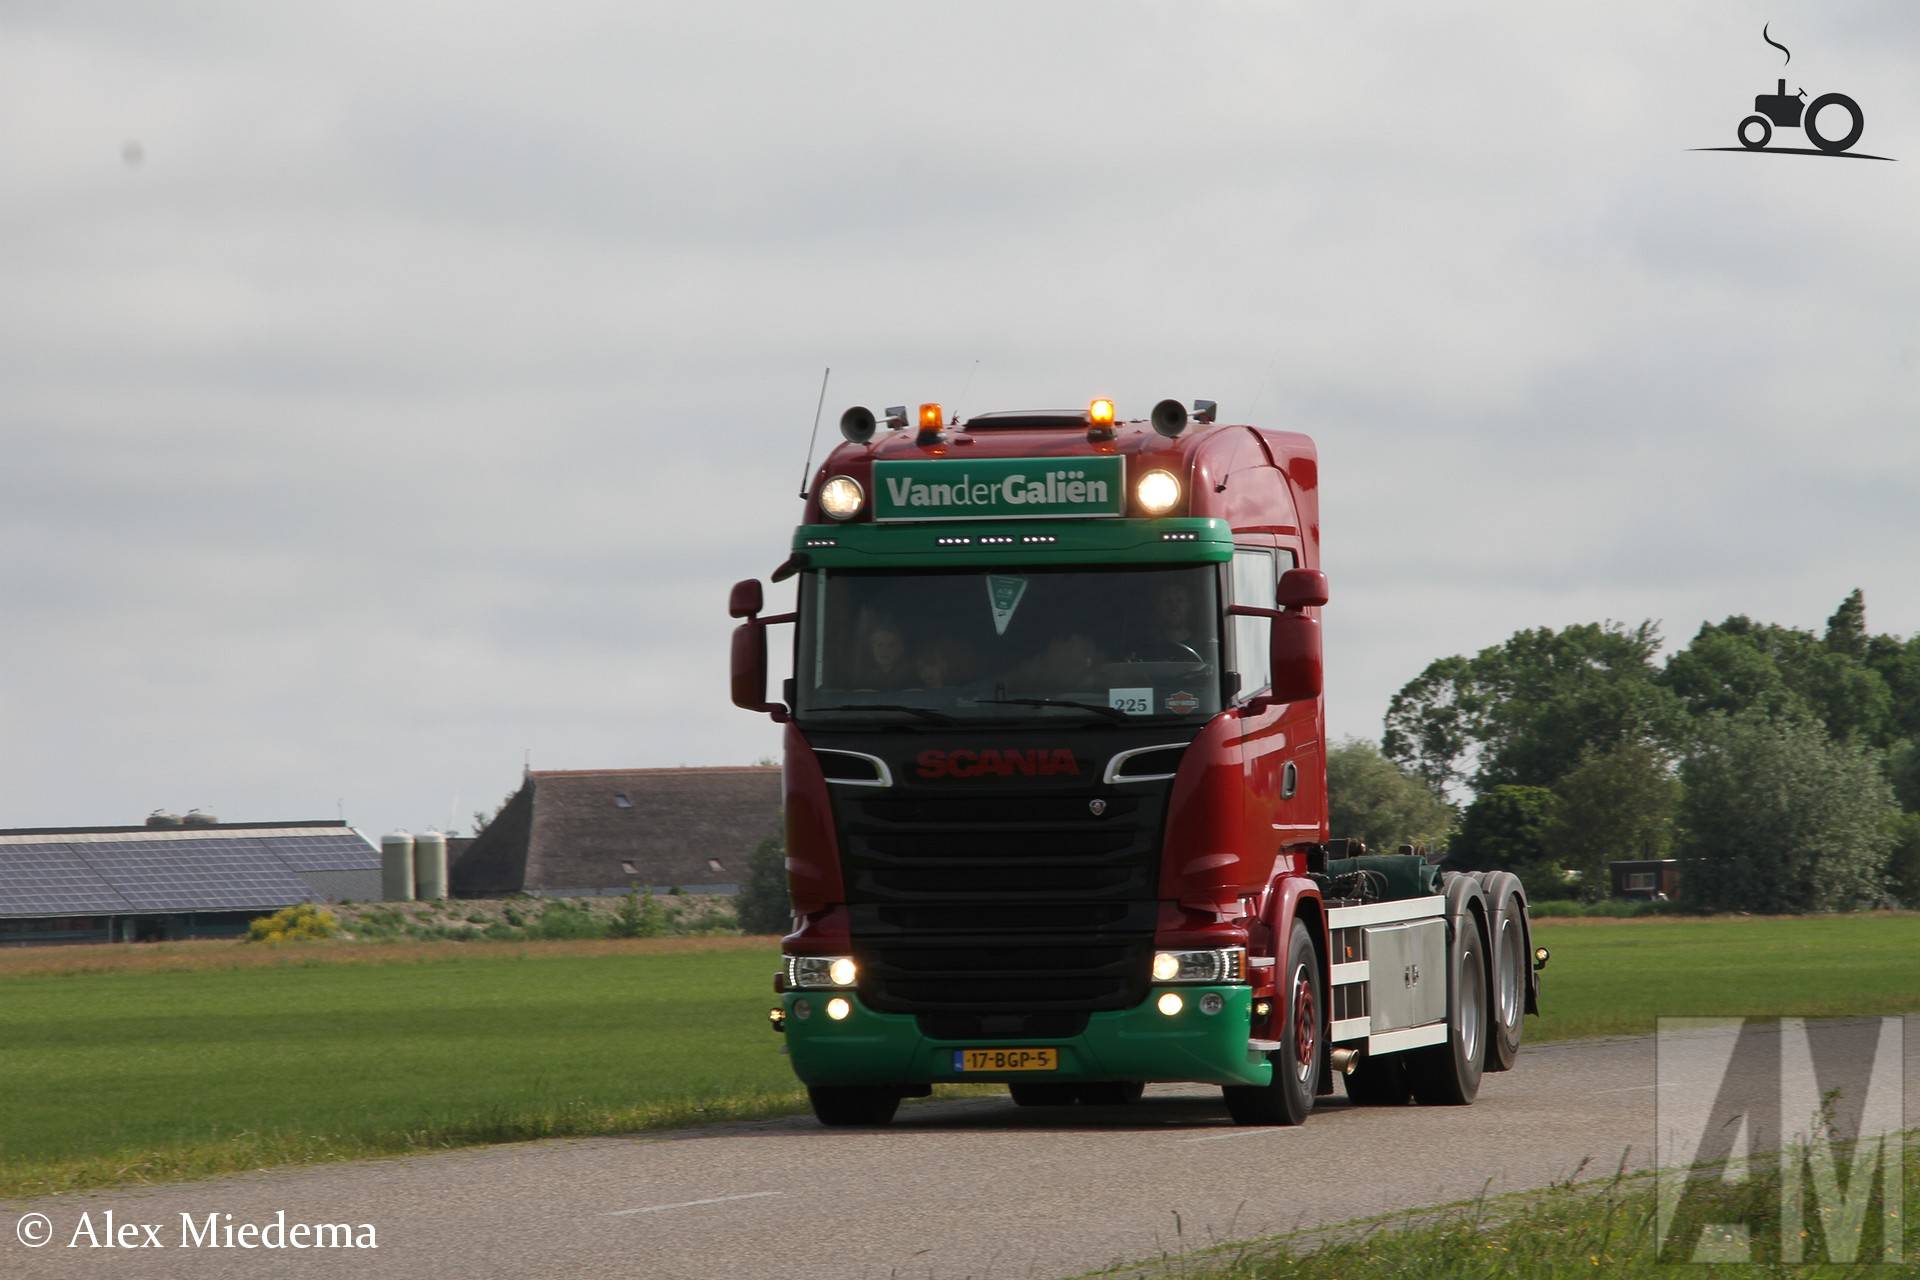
<point x="415" y="400"/>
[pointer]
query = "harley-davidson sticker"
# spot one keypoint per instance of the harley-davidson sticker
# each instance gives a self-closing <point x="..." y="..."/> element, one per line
<point x="1181" y="703"/>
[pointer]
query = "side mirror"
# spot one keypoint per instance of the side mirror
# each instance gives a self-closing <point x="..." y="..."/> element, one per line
<point x="1302" y="589"/>
<point x="746" y="600"/>
<point x="1294" y="653"/>
<point x="750" y="667"/>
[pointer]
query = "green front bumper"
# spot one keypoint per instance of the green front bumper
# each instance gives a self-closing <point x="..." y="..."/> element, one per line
<point x="870" y="1047"/>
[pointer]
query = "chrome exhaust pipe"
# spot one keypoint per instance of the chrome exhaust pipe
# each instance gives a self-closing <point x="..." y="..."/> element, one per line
<point x="1345" y="1060"/>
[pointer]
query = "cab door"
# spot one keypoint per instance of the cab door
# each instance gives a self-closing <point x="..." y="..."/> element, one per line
<point x="1281" y="748"/>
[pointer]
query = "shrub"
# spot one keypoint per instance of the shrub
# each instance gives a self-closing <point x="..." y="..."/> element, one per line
<point x="763" y="905"/>
<point x="638" y="916"/>
<point x="301" y="923"/>
<point x="564" y="920"/>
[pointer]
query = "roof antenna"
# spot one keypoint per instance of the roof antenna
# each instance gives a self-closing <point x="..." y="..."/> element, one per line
<point x="964" y="388"/>
<point x="812" y="439"/>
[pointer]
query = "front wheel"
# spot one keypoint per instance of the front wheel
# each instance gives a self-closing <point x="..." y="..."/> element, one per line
<point x="1753" y="143"/>
<point x="1288" y="1098"/>
<point x="1857" y="121"/>
<point x="848" y="1106"/>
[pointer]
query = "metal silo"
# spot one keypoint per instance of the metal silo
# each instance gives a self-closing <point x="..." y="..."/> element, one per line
<point x="430" y="865"/>
<point x="396" y="867"/>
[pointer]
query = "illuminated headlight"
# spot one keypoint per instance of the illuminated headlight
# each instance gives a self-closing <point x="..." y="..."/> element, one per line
<point x="1228" y="964"/>
<point x="820" y="971"/>
<point x="842" y="497"/>
<point x="838" y="1008"/>
<point x="1158" y="492"/>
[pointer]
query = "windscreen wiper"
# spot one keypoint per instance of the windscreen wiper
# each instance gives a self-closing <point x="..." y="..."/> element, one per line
<point x="1111" y="713"/>
<point x="925" y="713"/>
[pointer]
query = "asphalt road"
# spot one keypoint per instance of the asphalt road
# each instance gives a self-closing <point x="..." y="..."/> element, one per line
<point x="970" y="1188"/>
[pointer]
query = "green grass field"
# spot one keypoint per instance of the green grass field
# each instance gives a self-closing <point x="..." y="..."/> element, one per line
<point x="133" y="1064"/>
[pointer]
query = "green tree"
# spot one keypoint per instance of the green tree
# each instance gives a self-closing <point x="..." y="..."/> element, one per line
<point x="1776" y="816"/>
<point x="1903" y="866"/>
<point x="1508" y="828"/>
<point x="1740" y="665"/>
<point x="1523" y="712"/>
<point x="1614" y="804"/>
<point x="763" y="904"/>
<point x="1372" y="798"/>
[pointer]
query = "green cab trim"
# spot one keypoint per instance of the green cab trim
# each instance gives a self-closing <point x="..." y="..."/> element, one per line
<point x="1141" y="1043"/>
<point x="1175" y="540"/>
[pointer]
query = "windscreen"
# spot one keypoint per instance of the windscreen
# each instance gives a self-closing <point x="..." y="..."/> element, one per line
<point x="1127" y="644"/>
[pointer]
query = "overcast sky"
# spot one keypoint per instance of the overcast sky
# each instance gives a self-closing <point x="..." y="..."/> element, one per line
<point x="388" y="390"/>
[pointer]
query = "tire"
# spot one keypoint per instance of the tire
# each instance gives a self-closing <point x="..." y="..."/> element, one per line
<point x="1512" y="956"/>
<point x="1448" y="1075"/>
<point x="1833" y="146"/>
<point x="1288" y="1099"/>
<point x="1379" y="1082"/>
<point x="1042" y="1094"/>
<point x="849" y="1106"/>
<point x="1766" y="133"/>
<point x="1112" y="1093"/>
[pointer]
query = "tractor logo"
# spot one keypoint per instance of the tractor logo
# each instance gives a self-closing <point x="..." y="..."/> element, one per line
<point x="1832" y="122"/>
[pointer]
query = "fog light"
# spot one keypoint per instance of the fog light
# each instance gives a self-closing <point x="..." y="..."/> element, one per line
<point x="838" y="1008"/>
<point x="1261" y="1008"/>
<point x="802" y="1009"/>
<point x="1212" y="1003"/>
<point x="1540" y="957"/>
<point x="1170" y="1003"/>
<point x="842" y="972"/>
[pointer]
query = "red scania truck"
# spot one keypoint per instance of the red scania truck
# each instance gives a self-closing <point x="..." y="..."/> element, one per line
<point x="1055" y="785"/>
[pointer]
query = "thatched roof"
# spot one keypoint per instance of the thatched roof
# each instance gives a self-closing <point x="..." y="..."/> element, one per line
<point x="602" y="830"/>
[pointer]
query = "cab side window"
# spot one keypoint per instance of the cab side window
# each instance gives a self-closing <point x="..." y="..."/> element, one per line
<point x="1254" y="578"/>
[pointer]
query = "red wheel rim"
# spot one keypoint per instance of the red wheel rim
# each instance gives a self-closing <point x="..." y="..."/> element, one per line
<point x="1306" y="1023"/>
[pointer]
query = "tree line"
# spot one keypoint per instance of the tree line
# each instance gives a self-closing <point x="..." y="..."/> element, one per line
<point x="1780" y="765"/>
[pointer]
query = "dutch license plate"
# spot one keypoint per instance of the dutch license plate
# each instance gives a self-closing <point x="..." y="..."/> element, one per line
<point x="1006" y="1059"/>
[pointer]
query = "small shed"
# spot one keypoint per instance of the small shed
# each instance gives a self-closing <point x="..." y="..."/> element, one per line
<point x="1647" y="878"/>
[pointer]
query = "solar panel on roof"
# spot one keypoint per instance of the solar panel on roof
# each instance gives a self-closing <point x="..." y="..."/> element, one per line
<point x="50" y="880"/>
<point x="195" y="875"/>
<point x="343" y="852"/>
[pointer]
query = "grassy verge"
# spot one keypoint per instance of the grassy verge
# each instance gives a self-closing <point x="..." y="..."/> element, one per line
<point x="1609" y="1229"/>
<point x="130" y="1064"/>
<point x="1610" y="978"/>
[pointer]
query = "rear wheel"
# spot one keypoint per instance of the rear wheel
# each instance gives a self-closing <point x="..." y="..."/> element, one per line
<point x="1512" y="968"/>
<point x="1448" y="1075"/>
<point x="1112" y="1093"/>
<point x="1379" y="1082"/>
<point x="844" y="1106"/>
<point x="1856" y="122"/>
<point x="1044" y="1095"/>
<point x="1288" y="1098"/>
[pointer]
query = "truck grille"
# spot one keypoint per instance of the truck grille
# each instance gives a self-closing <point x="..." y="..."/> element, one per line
<point x="1002" y="913"/>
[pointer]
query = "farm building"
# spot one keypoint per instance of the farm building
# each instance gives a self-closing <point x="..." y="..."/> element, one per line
<point x="576" y="833"/>
<point x="168" y="880"/>
<point x="1646" y="878"/>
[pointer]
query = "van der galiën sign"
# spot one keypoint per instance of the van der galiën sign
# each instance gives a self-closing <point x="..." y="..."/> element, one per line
<point x="999" y="488"/>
